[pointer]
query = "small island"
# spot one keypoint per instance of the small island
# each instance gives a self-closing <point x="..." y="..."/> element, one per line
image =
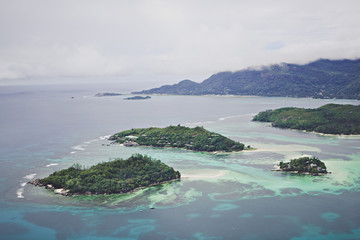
<point x="107" y="94"/>
<point x="304" y="165"/>
<point x="137" y="98"/>
<point x="118" y="176"/>
<point x="196" y="139"/>
<point x="328" y="119"/>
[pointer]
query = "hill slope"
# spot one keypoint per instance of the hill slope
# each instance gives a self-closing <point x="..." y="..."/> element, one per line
<point x="319" y="79"/>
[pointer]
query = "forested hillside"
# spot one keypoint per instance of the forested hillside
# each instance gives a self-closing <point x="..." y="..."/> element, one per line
<point x="319" y="79"/>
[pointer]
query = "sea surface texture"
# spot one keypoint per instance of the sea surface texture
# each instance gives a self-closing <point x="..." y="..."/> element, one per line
<point x="220" y="196"/>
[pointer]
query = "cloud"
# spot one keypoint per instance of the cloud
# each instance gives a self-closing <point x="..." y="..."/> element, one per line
<point x="149" y="39"/>
<point x="274" y="45"/>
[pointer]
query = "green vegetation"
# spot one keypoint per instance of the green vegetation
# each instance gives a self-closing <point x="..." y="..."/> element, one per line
<point x="196" y="139"/>
<point x="118" y="176"/>
<point x="320" y="79"/>
<point x="137" y="98"/>
<point x="330" y="119"/>
<point x="304" y="165"/>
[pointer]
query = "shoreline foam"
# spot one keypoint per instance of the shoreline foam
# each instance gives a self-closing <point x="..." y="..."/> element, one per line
<point x="52" y="164"/>
<point x="30" y="176"/>
<point x="20" y="191"/>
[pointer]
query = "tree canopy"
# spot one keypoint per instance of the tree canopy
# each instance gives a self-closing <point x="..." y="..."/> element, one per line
<point x="196" y="139"/>
<point x="330" y="119"/>
<point x="304" y="165"/>
<point x="118" y="176"/>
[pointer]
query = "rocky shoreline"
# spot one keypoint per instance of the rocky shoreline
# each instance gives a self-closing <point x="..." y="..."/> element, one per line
<point x="59" y="191"/>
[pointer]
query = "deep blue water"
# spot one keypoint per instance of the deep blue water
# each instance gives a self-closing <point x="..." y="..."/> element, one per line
<point x="233" y="196"/>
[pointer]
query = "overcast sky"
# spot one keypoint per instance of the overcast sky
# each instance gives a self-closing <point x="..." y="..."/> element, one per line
<point x="167" y="40"/>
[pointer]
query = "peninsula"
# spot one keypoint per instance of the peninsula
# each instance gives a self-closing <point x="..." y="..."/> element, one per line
<point x="118" y="176"/>
<point x="196" y="139"/>
<point x="328" y="119"/>
<point x="304" y="165"/>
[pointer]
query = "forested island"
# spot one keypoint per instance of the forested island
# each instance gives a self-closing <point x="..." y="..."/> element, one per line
<point x="320" y="79"/>
<point x="196" y="139"/>
<point x="328" y="119"/>
<point x="137" y="98"/>
<point x="118" y="176"/>
<point x="304" y="165"/>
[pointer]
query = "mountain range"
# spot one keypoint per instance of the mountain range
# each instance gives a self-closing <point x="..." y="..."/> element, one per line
<point x="319" y="79"/>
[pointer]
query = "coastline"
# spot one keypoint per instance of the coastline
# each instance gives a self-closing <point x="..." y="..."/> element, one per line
<point x="337" y="135"/>
<point x="301" y="173"/>
<point x="323" y="134"/>
<point x="212" y="152"/>
<point x="204" y="95"/>
<point x="317" y="133"/>
<point x="65" y="192"/>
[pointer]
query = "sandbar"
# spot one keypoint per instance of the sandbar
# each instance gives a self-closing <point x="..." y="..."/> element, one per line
<point x="202" y="174"/>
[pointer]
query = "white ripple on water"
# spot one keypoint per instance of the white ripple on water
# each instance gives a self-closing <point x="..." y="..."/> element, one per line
<point x="30" y="176"/>
<point x="20" y="191"/>
<point x="79" y="147"/>
<point x="52" y="164"/>
<point x="228" y="117"/>
<point x="105" y="137"/>
<point x="96" y="139"/>
<point x="198" y="123"/>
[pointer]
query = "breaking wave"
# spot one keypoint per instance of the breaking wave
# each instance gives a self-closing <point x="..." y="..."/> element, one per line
<point x="20" y="191"/>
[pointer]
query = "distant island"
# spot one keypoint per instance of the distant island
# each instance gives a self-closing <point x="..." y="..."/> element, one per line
<point x="304" y="165"/>
<point x="196" y="139"/>
<point x="107" y="94"/>
<point x="320" y="79"/>
<point x="137" y="98"/>
<point x="328" y="119"/>
<point x="118" y="176"/>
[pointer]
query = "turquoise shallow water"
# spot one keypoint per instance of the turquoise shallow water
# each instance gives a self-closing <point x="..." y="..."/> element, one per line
<point x="222" y="196"/>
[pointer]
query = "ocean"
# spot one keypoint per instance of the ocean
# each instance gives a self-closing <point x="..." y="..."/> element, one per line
<point x="220" y="196"/>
